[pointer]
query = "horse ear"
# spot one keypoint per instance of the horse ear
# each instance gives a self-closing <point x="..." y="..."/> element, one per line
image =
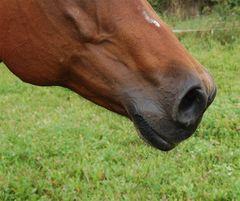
<point x="84" y="25"/>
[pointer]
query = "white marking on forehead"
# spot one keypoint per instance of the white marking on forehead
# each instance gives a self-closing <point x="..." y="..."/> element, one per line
<point x="151" y="20"/>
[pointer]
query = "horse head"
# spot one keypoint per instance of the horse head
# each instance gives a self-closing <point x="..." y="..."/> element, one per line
<point x="122" y="56"/>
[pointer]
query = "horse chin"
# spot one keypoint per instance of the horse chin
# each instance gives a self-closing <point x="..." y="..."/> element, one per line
<point x="150" y="136"/>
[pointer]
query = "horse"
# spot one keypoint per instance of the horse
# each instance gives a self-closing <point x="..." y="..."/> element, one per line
<point x="118" y="54"/>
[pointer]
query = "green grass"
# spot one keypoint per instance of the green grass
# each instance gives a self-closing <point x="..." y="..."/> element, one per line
<point x="57" y="146"/>
<point x="205" y="22"/>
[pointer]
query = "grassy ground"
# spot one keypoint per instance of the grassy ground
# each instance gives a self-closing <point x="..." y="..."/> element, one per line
<point x="58" y="146"/>
<point x="205" y="22"/>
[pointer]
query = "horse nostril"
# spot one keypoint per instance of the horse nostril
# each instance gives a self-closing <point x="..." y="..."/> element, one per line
<point x="191" y="107"/>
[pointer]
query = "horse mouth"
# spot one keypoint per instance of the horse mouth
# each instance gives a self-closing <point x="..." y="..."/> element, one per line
<point x="151" y="136"/>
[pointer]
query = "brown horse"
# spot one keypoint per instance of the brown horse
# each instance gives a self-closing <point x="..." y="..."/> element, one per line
<point x="116" y="53"/>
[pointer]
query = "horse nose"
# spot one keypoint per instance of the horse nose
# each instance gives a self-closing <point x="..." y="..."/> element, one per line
<point x="191" y="107"/>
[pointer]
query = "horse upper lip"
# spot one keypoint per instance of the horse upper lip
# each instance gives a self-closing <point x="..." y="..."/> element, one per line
<point x="212" y="95"/>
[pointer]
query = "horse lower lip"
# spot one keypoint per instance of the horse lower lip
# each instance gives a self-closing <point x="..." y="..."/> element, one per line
<point x="160" y="143"/>
<point x="151" y="136"/>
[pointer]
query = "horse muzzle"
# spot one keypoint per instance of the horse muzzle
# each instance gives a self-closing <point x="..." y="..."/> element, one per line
<point x="164" y="131"/>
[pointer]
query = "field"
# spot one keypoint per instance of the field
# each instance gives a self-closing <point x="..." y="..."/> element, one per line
<point x="57" y="146"/>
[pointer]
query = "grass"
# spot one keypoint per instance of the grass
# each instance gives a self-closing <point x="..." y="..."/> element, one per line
<point x="205" y="22"/>
<point x="57" y="146"/>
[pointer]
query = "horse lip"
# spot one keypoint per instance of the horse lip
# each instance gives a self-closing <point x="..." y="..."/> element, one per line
<point x="212" y="95"/>
<point x="151" y="136"/>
